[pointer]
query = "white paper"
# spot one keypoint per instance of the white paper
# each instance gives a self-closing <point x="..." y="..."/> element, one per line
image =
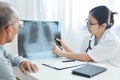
<point x="63" y="65"/>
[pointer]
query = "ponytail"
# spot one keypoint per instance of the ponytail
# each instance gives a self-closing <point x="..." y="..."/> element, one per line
<point x="112" y="18"/>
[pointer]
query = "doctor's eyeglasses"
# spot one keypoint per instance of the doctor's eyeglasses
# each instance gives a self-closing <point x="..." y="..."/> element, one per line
<point x="88" y="23"/>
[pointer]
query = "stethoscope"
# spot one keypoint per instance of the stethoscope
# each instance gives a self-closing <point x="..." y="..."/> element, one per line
<point x="89" y="44"/>
<point x="90" y="40"/>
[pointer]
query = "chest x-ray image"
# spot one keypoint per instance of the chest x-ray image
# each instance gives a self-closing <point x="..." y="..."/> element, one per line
<point x="34" y="39"/>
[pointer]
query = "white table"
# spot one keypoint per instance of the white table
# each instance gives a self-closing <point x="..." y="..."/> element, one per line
<point x="46" y="73"/>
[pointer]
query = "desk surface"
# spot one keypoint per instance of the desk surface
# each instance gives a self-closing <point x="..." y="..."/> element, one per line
<point x="46" y="73"/>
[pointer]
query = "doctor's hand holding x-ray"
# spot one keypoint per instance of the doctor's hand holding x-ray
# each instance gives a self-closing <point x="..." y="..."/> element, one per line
<point x="99" y="46"/>
<point x="68" y="53"/>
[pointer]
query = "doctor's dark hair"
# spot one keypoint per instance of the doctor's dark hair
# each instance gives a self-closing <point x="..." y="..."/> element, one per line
<point x="103" y="15"/>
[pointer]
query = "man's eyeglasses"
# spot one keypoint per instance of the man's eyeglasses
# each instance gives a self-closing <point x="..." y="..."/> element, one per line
<point x="88" y="23"/>
<point x="19" y="26"/>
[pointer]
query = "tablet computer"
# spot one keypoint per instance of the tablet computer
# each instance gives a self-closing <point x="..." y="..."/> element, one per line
<point x="88" y="70"/>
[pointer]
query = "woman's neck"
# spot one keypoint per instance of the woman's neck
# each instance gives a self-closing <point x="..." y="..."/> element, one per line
<point x="98" y="36"/>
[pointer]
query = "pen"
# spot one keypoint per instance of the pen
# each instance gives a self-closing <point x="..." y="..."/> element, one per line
<point x="68" y="60"/>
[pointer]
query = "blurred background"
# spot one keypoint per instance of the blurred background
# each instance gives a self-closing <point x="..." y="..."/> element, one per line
<point x="70" y="14"/>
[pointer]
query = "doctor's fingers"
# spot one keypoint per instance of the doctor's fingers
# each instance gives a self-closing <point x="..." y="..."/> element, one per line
<point x="54" y="48"/>
<point x="53" y="44"/>
<point x="56" y="51"/>
<point x="58" y="39"/>
<point x="61" y="41"/>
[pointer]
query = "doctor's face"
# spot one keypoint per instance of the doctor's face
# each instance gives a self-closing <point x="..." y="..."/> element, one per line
<point x="92" y="24"/>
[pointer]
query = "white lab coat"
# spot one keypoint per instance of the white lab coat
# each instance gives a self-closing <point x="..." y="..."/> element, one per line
<point x="107" y="50"/>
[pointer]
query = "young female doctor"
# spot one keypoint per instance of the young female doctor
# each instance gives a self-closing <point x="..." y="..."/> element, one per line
<point x="102" y="45"/>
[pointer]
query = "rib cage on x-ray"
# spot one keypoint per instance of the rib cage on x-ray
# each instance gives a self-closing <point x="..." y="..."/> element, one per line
<point x="47" y="33"/>
<point x="33" y="33"/>
<point x="34" y="39"/>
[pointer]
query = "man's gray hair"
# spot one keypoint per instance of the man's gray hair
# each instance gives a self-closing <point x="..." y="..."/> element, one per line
<point x="7" y="15"/>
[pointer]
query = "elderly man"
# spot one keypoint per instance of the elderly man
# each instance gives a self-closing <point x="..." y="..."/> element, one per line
<point x="9" y="26"/>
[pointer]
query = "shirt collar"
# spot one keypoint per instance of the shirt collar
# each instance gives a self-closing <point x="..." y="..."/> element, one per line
<point x="101" y="39"/>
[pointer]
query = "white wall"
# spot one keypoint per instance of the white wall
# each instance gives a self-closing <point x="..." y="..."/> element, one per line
<point x="38" y="9"/>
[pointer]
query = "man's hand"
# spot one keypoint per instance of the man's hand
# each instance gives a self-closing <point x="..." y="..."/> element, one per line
<point x="28" y="66"/>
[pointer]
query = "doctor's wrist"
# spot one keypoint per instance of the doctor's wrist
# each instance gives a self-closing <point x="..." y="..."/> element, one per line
<point x="61" y="53"/>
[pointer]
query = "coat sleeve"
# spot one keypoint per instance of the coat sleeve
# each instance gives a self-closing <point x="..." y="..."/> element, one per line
<point x="6" y="71"/>
<point x="15" y="60"/>
<point x="104" y="52"/>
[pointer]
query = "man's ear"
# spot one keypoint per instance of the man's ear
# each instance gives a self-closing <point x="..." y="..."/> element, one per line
<point x="8" y="30"/>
